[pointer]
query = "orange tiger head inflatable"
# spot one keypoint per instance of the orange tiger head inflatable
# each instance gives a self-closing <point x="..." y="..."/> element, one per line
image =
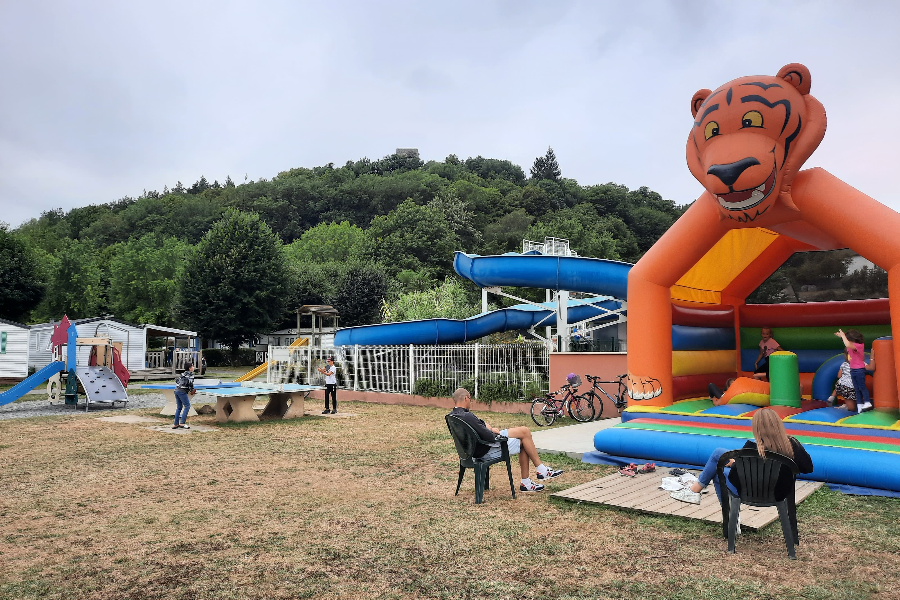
<point x="750" y="137"/>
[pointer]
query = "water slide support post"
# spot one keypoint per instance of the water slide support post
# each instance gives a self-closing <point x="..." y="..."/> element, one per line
<point x="562" y="320"/>
<point x="412" y="368"/>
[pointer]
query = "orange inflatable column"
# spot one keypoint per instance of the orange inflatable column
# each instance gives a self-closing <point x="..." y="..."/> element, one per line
<point x="884" y="396"/>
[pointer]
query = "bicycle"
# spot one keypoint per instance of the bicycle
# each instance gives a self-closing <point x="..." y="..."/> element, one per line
<point x="620" y="400"/>
<point x="546" y="409"/>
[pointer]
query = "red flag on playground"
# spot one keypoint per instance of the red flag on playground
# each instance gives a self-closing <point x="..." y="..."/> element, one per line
<point x="61" y="332"/>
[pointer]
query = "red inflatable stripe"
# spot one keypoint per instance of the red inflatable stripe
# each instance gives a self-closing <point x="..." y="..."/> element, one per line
<point x="794" y="432"/>
<point x="817" y="314"/>
<point x="693" y="386"/>
<point x="717" y="315"/>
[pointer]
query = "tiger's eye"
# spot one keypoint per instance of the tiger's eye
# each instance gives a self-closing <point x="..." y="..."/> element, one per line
<point x="752" y="119"/>
<point x="712" y="129"/>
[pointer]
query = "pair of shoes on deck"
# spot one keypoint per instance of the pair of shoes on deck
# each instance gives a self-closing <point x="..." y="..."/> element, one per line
<point x="632" y="469"/>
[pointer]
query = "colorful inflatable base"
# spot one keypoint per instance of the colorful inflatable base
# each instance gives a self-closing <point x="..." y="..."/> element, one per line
<point x="847" y="449"/>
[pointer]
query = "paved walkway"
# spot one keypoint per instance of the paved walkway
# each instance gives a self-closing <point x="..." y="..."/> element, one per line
<point x="573" y="440"/>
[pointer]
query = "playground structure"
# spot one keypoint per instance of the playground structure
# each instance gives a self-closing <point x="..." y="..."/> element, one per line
<point x="264" y="368"/>
<point x="690" y="324"/>
<point x="103" y="379"/>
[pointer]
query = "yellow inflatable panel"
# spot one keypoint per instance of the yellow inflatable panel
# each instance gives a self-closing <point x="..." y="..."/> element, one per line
<point x="700" y="362"/>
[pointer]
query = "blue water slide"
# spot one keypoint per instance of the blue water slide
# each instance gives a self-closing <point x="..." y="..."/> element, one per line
<point x="576" y="274"/>
<point x="450" y="331"/>
<point x="31" y="382"/>
<point x="572" y="273"/>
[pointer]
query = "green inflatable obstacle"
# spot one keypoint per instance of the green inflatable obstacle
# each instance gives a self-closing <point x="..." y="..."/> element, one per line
<point x="784" y="379"/>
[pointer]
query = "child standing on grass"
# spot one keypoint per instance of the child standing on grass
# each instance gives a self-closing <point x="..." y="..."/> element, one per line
<point x="855" y="345"/>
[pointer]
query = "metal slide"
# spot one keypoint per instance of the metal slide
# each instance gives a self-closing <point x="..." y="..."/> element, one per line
<point x="31" y="382"/>
<point x="576" y="274"/>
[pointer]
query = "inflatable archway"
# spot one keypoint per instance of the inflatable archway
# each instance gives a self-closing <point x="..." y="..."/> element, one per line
<point x="747" y="143"/>
<point x="689" y="324"/>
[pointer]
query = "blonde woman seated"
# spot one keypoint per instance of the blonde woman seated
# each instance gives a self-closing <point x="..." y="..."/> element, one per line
<point x="769" y="434"/>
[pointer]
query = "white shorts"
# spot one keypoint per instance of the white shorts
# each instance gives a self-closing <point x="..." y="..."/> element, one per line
<point x="515" y="444"/>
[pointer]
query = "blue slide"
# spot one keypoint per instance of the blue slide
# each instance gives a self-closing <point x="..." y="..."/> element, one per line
<point x="31" y="382"/>
<point x="576" y="274"/>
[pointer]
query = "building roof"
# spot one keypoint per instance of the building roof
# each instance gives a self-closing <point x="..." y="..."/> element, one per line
<point x="89" y="320"/>
<point x="160" y="331"/>
<point x="22" y="325"/>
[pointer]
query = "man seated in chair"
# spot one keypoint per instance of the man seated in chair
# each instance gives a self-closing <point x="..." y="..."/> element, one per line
<point x="520" y="443"/>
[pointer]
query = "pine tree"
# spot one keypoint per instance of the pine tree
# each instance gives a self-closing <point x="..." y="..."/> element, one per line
<point x="546" y="167"/>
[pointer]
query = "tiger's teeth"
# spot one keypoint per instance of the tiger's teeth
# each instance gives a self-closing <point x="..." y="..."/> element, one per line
<point x="762" y="187"/>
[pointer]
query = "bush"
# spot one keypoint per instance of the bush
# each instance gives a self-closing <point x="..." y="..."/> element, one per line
<point x="217" y="357"/>
<point x="496" y="389"/>
<point x="431" y="388"/>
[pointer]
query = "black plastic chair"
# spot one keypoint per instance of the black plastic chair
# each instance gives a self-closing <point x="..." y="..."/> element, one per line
<point x="758" y="478"/>
<point x="466" y="440"/>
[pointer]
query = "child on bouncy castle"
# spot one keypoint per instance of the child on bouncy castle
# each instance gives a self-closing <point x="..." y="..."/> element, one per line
<point x="844" y="386"/>
<point x="855" y="345"/>
<point x="767" y="346"/>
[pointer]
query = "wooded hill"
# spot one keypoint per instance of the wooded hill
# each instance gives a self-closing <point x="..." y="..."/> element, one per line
<point x="352" y="236"/>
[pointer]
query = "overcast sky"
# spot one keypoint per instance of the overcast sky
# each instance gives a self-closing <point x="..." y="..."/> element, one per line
<point x="100" y="100"/>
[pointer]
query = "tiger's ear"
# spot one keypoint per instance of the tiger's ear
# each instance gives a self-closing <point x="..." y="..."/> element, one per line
<point x="697" y="101"/>
<point x="798" y="76"/>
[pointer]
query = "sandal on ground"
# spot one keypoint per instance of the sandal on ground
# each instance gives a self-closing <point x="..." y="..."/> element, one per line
<point x="629" y="471"/>
<point x="176" y="426"/>
<point x="646" y="468"/>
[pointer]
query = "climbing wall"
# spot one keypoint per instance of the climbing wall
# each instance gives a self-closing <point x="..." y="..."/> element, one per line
<point x="101" y="385"/>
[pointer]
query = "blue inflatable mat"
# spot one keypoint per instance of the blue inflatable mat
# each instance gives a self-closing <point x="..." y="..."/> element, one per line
<point x="821" y="415"/>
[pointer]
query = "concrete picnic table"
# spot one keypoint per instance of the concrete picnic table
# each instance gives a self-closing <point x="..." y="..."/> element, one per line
<point x="235" y="404"/>
<point x="168" y="390"/>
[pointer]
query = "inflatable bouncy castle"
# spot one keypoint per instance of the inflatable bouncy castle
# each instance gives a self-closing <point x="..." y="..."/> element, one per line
<point x="689" y="325"/>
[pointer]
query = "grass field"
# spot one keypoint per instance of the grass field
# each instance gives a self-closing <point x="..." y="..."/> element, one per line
<point x="363" y="507"/>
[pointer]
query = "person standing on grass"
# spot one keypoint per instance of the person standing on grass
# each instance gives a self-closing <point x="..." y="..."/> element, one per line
<point x="184" y="388"/>
<point x="330" y="373"/>
<point x="520" y="442"/>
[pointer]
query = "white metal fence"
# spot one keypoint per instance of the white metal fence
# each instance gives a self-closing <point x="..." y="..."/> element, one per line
<point x="490" y="371"/>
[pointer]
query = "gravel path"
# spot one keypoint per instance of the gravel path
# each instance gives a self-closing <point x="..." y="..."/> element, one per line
<point x="43" y="408"/>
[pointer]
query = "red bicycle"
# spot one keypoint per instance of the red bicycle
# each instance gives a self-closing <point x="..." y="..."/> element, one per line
<point x="546" y="409"/>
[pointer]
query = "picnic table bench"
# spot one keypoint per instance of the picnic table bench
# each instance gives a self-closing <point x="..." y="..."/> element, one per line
<point x="235" y="404"/>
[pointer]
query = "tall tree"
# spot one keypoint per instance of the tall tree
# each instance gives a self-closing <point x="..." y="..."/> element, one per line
<point x="21" y="288"/>
<point x="74" y="283"/>
<point x="546" y="167"/>
<point x="360" y="291"/>
<point x="143" y="278"/>
<point x="234" y="285"/>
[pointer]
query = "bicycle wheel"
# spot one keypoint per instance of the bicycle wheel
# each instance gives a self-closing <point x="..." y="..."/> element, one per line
<point x="543" y="412"/>
<point x="581" y="408"/>
<point x="597" y="401"/>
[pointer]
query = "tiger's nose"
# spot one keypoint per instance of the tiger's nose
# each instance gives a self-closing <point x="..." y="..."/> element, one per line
<point x="729" y="173"/>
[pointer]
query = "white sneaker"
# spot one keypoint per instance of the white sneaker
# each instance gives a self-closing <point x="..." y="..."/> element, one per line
<point x="686" y="495"/>
<point x="864" y="407"/>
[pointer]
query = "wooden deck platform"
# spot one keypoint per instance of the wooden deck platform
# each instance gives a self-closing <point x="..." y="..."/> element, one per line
<point x="642" y="493"/>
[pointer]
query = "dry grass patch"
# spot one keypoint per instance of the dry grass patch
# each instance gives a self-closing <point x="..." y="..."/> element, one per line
<point x="364" y="508"/>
